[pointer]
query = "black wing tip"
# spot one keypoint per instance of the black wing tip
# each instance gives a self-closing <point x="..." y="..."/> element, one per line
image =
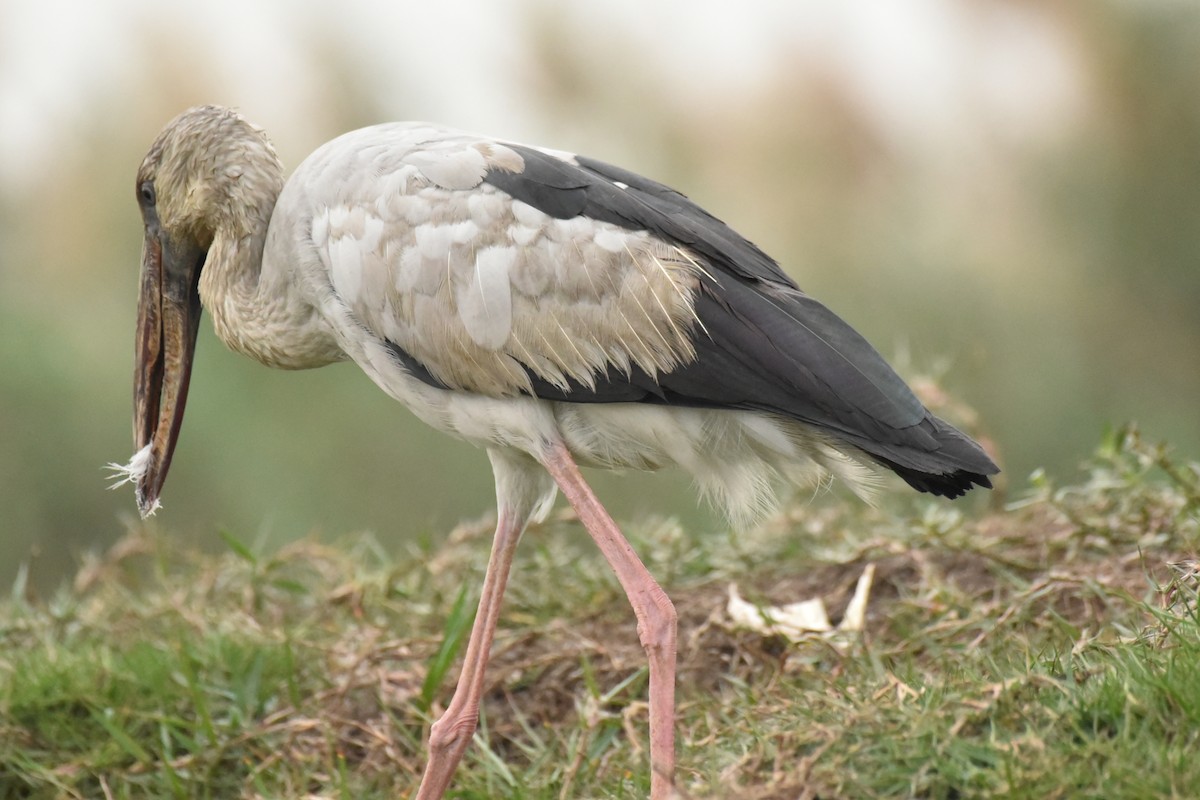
<point x="955" y="468"/>
<point x="949" y="485"/>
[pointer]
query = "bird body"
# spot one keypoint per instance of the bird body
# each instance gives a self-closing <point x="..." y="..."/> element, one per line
<point x="388" y="246"/>
<point x="550" y="308"/>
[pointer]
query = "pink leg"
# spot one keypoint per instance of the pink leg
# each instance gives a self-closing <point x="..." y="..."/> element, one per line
<point x="655" y="613"/>
<point x="520" y="494"/>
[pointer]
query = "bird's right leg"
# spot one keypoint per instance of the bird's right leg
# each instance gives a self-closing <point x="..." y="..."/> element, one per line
<point x="656" y="616"/>
<point x="523" y="492"/>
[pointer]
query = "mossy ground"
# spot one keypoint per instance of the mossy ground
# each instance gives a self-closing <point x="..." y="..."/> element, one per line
<point x="1046" y="648"/>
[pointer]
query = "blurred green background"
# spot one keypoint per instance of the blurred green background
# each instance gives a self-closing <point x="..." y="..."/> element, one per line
<point x="1005" y="195"/>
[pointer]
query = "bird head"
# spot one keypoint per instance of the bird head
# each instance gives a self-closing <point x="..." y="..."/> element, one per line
<point x="193" y="185"/>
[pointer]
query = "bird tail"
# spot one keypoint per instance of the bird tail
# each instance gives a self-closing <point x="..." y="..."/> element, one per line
<point x="952" y="468"/>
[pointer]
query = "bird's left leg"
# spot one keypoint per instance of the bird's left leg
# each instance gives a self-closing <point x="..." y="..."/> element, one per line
<point x="523" y="493"/>
<point x="656" y="616"/>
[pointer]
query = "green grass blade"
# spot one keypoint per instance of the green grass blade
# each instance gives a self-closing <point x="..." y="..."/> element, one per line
<point x="457" y="626"/>
<point x="237" y="546"/>
<point x="105" y="717"/>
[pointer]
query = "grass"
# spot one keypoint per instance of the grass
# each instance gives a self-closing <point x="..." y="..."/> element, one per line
<point x="1047" y="649"/>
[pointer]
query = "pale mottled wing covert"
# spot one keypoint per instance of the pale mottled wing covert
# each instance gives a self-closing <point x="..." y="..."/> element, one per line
<point x="477" y="291"/>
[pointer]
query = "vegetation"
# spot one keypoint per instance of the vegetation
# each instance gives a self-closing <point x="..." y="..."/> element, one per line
<point x="1022" y="204"/>
<point x="1047" y="649"/>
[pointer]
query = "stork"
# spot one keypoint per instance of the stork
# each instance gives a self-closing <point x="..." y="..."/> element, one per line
<point x="555" y="310"/>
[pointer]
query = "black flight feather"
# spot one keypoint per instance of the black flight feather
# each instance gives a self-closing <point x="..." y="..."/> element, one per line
<point x="769" y="346"/>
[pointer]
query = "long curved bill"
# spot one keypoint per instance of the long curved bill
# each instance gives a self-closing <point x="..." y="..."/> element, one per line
<point x="168" y="321"/>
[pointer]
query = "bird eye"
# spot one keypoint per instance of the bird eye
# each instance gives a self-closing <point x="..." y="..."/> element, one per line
<point x="146" y="193"/>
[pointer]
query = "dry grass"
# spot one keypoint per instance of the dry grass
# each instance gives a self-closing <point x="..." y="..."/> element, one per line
<point x="1043" y="650"/>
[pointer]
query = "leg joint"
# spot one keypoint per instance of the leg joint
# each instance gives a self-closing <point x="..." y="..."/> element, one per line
<point x="453" y="730"/>
<point x="657" y="621"/>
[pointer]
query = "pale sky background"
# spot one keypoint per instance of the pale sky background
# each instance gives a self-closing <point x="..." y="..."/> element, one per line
<point x="459" y="62"/>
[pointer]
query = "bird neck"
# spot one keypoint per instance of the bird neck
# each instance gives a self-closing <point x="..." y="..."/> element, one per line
<point x="255" y="308"/>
